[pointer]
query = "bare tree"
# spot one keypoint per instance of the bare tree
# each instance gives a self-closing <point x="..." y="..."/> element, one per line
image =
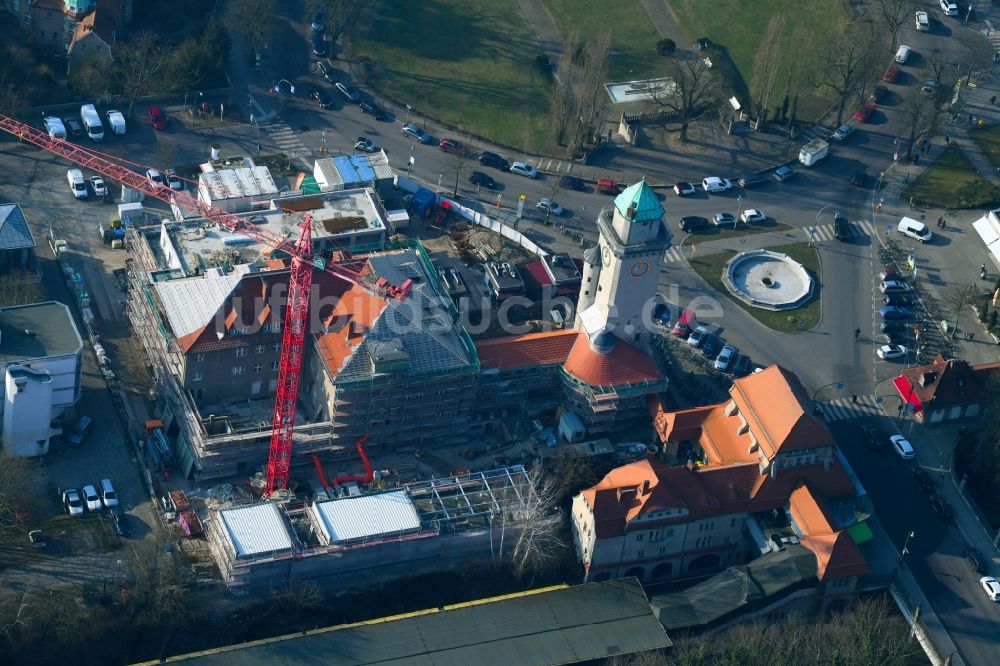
<point x="977" y="55"/>
<point x="456" y="166"/>
<point x="693" y="91"/>
<point x="591" y="92"/>
<point x="845" y="62"/>
<point x="20" y="480"/>
<point x="894" y="14"/>
<point x="135" y="66"/>
<point x="530" y="517"/>
<point x="922" y="115"/>
<point x="341" y="17"/>
<point x="769" y="58"/>
<point x="959" y="297"/>
<point x="253" y="18"/>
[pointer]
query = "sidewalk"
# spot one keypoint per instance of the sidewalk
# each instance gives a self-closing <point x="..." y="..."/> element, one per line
<point x="545" y="31"/>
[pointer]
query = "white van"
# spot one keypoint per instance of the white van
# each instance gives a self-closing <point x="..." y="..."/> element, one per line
<point x="902" y="54"/>
<point x="76" y="183"/>
<point x="914" y="229"/>
<point x="55" y="127"/>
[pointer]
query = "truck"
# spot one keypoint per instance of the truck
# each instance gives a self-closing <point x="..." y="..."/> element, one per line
<point x="571" y="427"/>
<point x="813" y="152"/>
<point x="91" y="122"/>
<point x="116" y="121"/>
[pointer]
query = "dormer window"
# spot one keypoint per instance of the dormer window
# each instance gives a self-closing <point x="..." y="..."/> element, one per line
<point x="744" y="426"/>
<point x="731" y="408"/>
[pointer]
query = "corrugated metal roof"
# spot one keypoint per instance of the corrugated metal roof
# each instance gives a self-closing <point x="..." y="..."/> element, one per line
<point x="248" y="184"/>
<point x="367" y="516"/>
<point x="329" y="176"/>
<point x="264" y="180"/>
<point x="212" y="183"/>
<point x="380" y="165"/>
<point x="257" y="529"/>
<point x="14" y="231"/>
<point x="538" y="628"/>
<point x="190" y="304"/>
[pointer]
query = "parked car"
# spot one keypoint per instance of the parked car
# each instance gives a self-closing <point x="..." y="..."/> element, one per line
<point x="321" y="98"/>
<point x="365" y="145"/>
<point x="76" y="183"/>
<point x="697" y="337"/>
<point x="349" y="93"/>
<point x="37" y="539"/>
<point x="121" y="523"/>
<point x="156" y="118"/>
<point x="483" y="180"/>
<point x="929" y="89"/>
<point x="891" y="74"/>
<point x="843" y="132"/>
<point x="865" y="113"/>
<point x="725" y="358"/>
<point x="317" y="24"/>
<point x="80" y="431"/>
<point x="174" y="181"/>
<point x="878" y="92"/>
<point x="572" y="183"/>
<point x="749" y="180"/>
<point x="923" y="23"/>
<point x="914" y="229"/>
<point x="549" y="206"/>
<point x="319" y="45"/>
<point x="922" y="479"/>
<point x="91" y="499"/>
<point x="97" y="184"/>
<point x="888" y="326"/>
<point x="950" y="8"/>
<point x="661" y="314"/>
<point x="989" y="583"/>
<point x="902" y="447"/>
<point x="108" y="495"/>
<point x="711" y="347"/>
<point x="715" y="184"/>
<point x="841" y="228"/>
<point x="374" y="110"/>
<point x="489" y="159"/>
<point x="753" y="216"/>
<point x="72" y="502"/>
<point x="896" y="299"/>
<point x="452" y="146"/>
<point x="691" y="223"/>
<point x="890" y="352"/>
<point x="155" y="178"/>
<point x="872" y="438"/>
<point x="522" y="169"/>
<point x="73" y="126"/>
<point x="324" y="70"/>
<point x="783" y="173"/>
<point x="888" y="272"/>
<point x="891" y="284"/>
<point x="684" y="189"/>
<point x="894" y="312"/>
<point x="724" y="219"/>
<point x="941" y="507"/>
<point x="975" y="560"/>
<point x="414" y="132"/>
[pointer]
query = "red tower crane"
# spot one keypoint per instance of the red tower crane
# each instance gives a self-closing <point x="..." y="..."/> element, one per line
<point x="297" y="308"/>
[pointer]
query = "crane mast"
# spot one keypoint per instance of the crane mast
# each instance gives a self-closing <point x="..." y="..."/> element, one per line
<point x="300" y="279"/>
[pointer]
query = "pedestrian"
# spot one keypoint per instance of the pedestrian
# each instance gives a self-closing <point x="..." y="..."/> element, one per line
<point x="854" y="398"/>
<point x="947" y="139"/>
<point x="941" y="222"/>
<point x="972" y="336"/>
<point x="857" y="334"/>
<point x="996" y="58"/>
<point x="911" y="202"/>
<point x="878" y="207"/>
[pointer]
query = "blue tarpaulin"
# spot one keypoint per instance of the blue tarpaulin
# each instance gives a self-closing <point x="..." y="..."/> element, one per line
<point x="422" y="202"/>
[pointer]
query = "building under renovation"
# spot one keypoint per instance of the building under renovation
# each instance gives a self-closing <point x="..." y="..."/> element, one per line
<point x="361" y="539"/>
<point x="208" y="306"/>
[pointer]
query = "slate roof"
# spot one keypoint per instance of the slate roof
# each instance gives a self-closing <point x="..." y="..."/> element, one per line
<point x="14" y="231"/>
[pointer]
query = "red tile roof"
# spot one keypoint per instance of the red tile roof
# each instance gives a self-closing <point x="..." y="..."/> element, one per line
<point x="624" y="364"/>
<point x="837" y="556"/>
<point x="347" y="323"/>
<point x="525" y="351"/>
<point x="951" y="382"/>
<point x="807" y="512"/>
<point x="773" y="492"/>
<point x="680" y="426"/>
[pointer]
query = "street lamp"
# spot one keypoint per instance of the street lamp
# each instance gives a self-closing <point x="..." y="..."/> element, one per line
<point x="903" y="553"/>
<point x="408" y="109"/>
<point x="838" y="384"/>
<point x="739" y="207"/>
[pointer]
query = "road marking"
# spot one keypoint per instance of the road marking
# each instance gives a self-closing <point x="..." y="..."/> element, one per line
<point x="286" y="138"/>
<point x="673" y="255"/>
<point x="843" y="408"/>
<point x="826" y="232"/>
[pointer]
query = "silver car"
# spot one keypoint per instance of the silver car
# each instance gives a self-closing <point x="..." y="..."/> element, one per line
<point x="522" y="169"/>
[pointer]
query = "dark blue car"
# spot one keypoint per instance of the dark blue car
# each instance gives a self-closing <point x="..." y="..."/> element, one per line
<point x="319" y="45"/>
<point x="894" y="312"/>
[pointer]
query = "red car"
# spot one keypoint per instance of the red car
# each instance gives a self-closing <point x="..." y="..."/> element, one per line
<point x="865" y="112"/>
<point x="157" y="117"/>
<point x="684" y="189"/>
<point x="891" y="74"/>
<point x="451" y="146"/>
<point x="877" y="94"/>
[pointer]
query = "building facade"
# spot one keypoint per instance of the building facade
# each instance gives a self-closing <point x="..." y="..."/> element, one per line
<point x="58" y="25"/>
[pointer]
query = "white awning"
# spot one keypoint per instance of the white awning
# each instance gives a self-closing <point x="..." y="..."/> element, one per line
<point x="989" y="230"/>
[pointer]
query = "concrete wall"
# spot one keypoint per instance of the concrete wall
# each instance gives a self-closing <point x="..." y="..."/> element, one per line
<point x="28" y="411"/>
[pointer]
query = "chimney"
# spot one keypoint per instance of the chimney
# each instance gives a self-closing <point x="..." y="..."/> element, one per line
<point x="645" y="487"/>
<point x="626" y="495"/>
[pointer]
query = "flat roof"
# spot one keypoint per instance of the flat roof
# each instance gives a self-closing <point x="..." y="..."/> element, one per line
<point x="504" y="275"/>
<point x="562" y="268"/>
<point x="37" y="330"/>
<point x="555" y="625"/>
<point x="366" y="516"/>
<point x="256" y="529"/>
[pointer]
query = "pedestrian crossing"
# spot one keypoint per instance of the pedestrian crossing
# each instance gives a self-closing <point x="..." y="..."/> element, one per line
<point x="826" y="232"/>
<point x="815" y="132"/>
<point x="553" y="166"/>
<point x="846" y="408"/>
<point x="286" y="138"/>
<point x="673" y="255"/>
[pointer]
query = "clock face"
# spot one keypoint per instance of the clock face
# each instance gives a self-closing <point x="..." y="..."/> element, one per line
<point x="607" y="255"/>
<point x="638" y="268"/>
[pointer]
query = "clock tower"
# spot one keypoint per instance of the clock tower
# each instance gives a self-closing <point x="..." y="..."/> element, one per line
<point x="620" y="277"/>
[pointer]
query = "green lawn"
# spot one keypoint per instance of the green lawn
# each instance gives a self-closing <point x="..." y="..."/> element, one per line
<point x="952" y="182"/>
<point x="804" y="318"/>
<point x="988" y="140"/>
<point x="633" y="37"/>
<point x="737" y="27"/>
<point x="470" y="65"/>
